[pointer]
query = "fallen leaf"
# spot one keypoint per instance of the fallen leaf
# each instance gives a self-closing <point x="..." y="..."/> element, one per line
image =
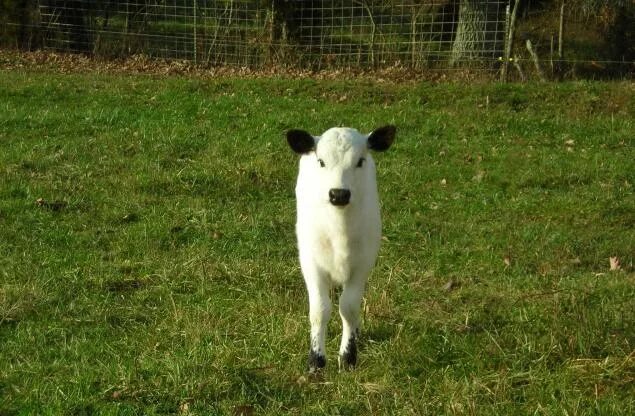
<point x="243" y="410"/>
<point x="451" y="284"/>
<point x="373" y="387"/>
<point x="301" y="380"/>
<point x="52" y="205"/>
<point x="479" y="176"/>
<point x="132" y="217"/>
<point x="614" y="263"/>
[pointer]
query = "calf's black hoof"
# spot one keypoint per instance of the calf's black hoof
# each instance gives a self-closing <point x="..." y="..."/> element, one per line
<point x="316" y="361"/>
<point x="348" y="360"/>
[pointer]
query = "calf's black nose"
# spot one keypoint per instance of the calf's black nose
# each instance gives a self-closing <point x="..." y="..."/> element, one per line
<point x="339" y="197"/>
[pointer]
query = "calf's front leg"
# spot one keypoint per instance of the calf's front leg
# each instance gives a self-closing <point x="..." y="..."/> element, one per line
<point x="319" y="312"/>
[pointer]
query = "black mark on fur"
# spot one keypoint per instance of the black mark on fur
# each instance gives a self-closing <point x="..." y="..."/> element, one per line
<point x="316" y="361"/>
<point x="348" y="360"/>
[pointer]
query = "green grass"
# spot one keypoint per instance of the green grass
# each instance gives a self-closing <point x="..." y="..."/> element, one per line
<point x="158" y="272"/>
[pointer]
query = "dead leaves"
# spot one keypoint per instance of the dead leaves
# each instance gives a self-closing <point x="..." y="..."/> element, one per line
<point x="144" y="64"/>
<point x="560" y="266"/>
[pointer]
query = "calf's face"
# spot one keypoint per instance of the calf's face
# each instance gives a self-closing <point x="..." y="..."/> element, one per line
<point x="337" y="165"/>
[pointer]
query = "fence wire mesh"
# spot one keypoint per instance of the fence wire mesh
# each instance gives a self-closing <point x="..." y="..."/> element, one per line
<point x="256" y="33"/>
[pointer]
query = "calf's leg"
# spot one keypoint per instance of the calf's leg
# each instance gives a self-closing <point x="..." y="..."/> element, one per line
<point x="319" y="312"/>
<point x="350" y="305"/>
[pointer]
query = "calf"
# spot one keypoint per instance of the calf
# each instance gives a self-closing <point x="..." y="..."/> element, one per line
<point x="338" y="227"/>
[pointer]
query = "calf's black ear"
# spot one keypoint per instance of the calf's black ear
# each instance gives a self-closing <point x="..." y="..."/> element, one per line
<point x="381" y="139"/>
<point x="300" y="141"/>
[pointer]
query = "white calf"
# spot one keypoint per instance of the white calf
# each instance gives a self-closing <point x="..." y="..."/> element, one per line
<point x="338" y="227"/>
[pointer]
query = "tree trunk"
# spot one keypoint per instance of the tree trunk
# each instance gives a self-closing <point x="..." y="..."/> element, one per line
<point x="302" y="19"/>
<point x="477" y="33"/>
<point x="26" y="32"/>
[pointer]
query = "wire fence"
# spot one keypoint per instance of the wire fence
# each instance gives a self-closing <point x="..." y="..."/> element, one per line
<point x="257" y="33"/>
<point x="548" y="39"/>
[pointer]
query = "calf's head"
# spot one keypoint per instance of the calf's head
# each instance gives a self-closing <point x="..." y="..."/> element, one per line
<point x="337" y="165"/>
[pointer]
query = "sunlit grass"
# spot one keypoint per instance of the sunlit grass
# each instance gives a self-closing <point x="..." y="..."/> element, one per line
<point x="148" y="264"/>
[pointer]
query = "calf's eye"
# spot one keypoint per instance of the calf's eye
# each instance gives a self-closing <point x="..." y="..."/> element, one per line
<point x="361" y="162"/>
<point x="321" y="163"/>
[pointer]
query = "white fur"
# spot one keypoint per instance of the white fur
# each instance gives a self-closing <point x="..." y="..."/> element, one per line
<point x="337" y="244"/>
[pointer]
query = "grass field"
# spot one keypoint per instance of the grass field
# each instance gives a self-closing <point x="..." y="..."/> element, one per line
<point x="148" y="263"/>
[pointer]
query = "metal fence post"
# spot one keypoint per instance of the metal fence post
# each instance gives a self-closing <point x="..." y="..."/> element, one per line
<point x="195" y="45"/>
